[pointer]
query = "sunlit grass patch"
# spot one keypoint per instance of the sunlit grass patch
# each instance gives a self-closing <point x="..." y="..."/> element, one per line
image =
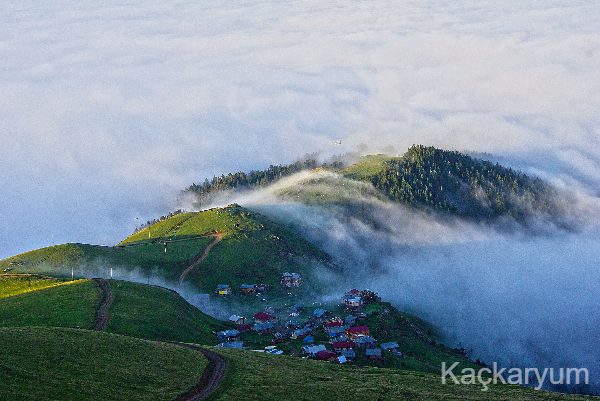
<point x="65" y="364"/>
<point x="71" y="304"/>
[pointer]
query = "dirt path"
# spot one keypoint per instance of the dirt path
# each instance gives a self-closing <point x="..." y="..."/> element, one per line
<point x="218" y="237"/>
<point x="211" y="377"/>
<point x="102" y="311"/>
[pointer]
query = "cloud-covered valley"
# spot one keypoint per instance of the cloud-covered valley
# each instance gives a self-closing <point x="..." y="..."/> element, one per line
<point x="108" y="110"/>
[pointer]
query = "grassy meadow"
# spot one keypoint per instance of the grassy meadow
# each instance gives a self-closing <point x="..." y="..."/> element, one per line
<point x="156" y="313"/>
<point x="70" y="304"/>
<point x="66" y="364"/>
<point x="18" y="284"/>
<point x="253" y="250"/>
<point x="260" y="376"/>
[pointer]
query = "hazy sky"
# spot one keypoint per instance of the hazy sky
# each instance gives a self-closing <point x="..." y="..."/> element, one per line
<point x="108" y="109"/>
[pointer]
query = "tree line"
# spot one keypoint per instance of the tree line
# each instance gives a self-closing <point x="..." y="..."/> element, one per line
<point x="452" y="182"/>
<point x="253" y="179"/>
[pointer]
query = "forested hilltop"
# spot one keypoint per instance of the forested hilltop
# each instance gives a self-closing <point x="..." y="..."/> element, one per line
<point x="451" y="182"/>
<point x="428" y="178"/>
<point x="253" y="179"/>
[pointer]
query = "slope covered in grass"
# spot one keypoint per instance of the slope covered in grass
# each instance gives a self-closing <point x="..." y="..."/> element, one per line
<point x="71" y="304"/>
<point x="137" y="310"/>
<point x="260" y="376"/>
<point x="65" y="364"/>
<point x="96" y="261"/>
<point x="253" y="249"/>
<point x="156" y="313"/>
<point x="18" y="284"/>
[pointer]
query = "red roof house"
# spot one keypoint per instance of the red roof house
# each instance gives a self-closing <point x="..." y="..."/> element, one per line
<point x="326" y="355"/>
<point x="262" y="317"/>
<point x="343" y="345"/>
<point x="357" y="331"/>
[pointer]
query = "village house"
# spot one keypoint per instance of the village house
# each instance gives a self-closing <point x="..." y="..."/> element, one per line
<point x="374" y="354"/>
<point x="291" y="280"/>
<point x="308" y="339"/>
<point x="298" y="333"/>
<point x="262" y="317"/>
<point x="292" y="324"/>
<point x="390" y="346"/>
<point x="341" y="337"/>
<point x="353" y="303"/>
<point x="244" y="327"/>
<point x="320" y="313"/>
<point x="249" y="289"/>
<point x="337" y="331"/>
<point x="326" y="355"/>
<point x="328" y="326"/>
<point x="357" y="331"/>
<point x="228" y="335"/>
<point x="223" y="289"/>
<point x="365" y="342"/>
<point x="237" y="319"/>
<point x="349" y="355"/>
<point x="313" y="349"/>
<point x="350" y="320"/>
<point x="264" y="328"/>
<point x="261" y="287"/>
<point x="343" y="346"/>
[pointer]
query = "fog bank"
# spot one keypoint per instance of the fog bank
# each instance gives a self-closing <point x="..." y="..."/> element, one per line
<point x="519" y="299"/>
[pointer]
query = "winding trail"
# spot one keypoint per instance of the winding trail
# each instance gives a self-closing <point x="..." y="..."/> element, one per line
<point x="102" y="316"/>
<point x="213" y="374"/>
<point x="218" y="237"/>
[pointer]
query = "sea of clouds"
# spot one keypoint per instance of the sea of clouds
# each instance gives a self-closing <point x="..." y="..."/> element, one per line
<point x="520" y="298"/>
<point x="109" y="109"/>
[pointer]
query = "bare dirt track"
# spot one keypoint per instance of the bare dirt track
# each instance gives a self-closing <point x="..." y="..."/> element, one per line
<point x="218" y="237"/>
<point x="211" y="377"/>
<point x="102" y="311"/>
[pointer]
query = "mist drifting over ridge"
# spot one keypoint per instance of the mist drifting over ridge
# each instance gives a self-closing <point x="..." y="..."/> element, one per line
<point x="517" y="298"/>
<point x="110" y="109"/>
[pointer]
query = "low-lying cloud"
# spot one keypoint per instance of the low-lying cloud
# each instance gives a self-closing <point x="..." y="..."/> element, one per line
<point x="108" y="110"/>
<point x="518" y="299"/>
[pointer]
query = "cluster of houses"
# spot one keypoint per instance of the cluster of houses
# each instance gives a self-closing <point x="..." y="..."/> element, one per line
<point x="345" y="337"/>
<point x="250" y="289"/>
<point x="288" y="280"/>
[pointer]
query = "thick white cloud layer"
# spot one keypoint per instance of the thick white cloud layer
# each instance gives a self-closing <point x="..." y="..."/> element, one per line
<point x="109" y="109"/>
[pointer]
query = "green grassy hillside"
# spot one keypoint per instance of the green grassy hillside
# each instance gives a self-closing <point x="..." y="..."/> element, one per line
<point x="18" y="284"/>
<point x="253" y="250"/>
<point x="156" y="313"/>
<point x="367" y="167"/>
<point x="259" y="376"/>
<point x="137" y="310"/>
<point x="70" y="304"/>
<point x="65" y="364"/>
